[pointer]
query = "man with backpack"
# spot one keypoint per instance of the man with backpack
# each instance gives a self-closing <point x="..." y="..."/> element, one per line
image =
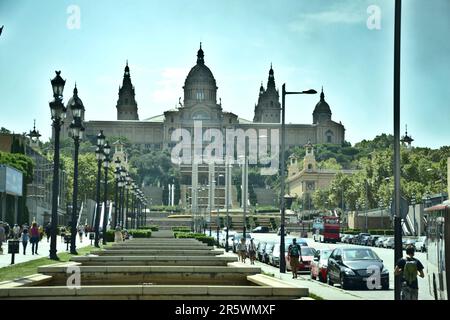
<point x="294" y="253"/>
<point x="409" y="268"/>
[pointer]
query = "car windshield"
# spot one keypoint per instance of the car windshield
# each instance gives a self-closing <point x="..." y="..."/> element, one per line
<point x="360" y="254"/>
<point x="325" y="254"/>
<point x="307" y="252"/>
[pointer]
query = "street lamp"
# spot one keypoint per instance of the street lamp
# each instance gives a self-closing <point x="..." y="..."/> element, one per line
<point x="77" y="130"/>
<point x="58" y="112"/>
<point x="128" y="188"/>
<point x="116" y="191"/>
<point x="99" y="156"/>
<point x="413" y="202"/>
<point x="106" y="162"/>
<point x="282" y="173"/>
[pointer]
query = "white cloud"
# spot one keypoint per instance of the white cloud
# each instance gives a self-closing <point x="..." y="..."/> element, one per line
<point x="169" y="88"/>
<point x="343" y="13"/>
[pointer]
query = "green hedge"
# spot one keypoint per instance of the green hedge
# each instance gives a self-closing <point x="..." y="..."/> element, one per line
<point x="382" y="232"/>
<point x="166" y="208"/>
<point x="135" y="233"/>
<point x="265" y="209"/>
<point x="140" y="233"/>
<point x="181" y="229"/>
<point x="150" y="227"/>
<point x="210" y="241"/>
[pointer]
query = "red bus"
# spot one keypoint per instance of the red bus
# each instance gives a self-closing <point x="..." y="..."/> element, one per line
<point x="326" y="229"/>
<point x="438" y="249"/>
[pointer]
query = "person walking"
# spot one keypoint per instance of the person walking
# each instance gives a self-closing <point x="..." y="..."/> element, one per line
<point x="2" y="236"/>
<point x="409" y="268"/>
<point x="294" y="254"/>
<point x="25" y="238"/>
<point x="34" y="238"/>
<point x="118" y="237"/>
<point x="80" y="233"/>
<point x="48" y="229"/>
<point x="252" y="251"/>
<point x="7" y="231"/>
<point x="16" y="231"/>
<point x="242" y="248"/>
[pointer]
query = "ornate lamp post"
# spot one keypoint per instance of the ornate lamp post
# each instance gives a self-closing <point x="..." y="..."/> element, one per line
<point x="282" y="173"/>
<point x="100" y="156"/>
<point x="77" y="131"/>
<point x="128" y="188"/>
<point x="123" y="181"/>
<point x="116" y="191"/>
<point x="58" y="113"/>
<point x="106" y="162"/>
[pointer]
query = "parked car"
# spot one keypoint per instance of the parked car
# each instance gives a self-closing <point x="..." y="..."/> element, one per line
<point x="379" y="242"/>
<point x="319" y="265"/>
<point x="358" y="239"/>
<point x="350" y="239"/>
<point x="372" y="239"/>
<point x="268" y="251"/>
<point x="307" y="256"/>
<point x="260" y="250"/>
<point x="421" y="244"/>
<point x="364" y="240"/>
<point x="261" y="229"/>
<point x="389" y="243"/>
<point x="349" y="267"/>
<point x="275" y="257"/>
<point x="409" y="242"/>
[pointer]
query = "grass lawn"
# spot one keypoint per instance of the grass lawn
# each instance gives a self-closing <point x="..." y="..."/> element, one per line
<point x="30" y="267"/>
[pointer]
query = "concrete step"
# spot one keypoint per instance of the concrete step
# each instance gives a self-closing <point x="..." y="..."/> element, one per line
<point x="154" y="260"/>
<point x="157" y="252"/>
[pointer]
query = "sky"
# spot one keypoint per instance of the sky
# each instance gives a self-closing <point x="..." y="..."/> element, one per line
<point x="346" y="46"/>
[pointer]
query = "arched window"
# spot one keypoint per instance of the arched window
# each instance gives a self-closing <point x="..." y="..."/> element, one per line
<point x="310" y="167"/>
<point x="329" y="136"/>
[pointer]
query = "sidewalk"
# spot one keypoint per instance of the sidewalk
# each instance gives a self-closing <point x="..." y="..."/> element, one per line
<point x="43" y="250"/>
<point x="322" y="290"/>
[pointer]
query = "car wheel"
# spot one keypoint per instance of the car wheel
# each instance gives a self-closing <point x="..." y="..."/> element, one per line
<point x="344" y="285"/>
<point x="385" y="286"/>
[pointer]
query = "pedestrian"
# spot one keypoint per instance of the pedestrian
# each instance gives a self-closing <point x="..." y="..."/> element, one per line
<point x="294" y="254"/>
<point x="252" y="251"/>
<point x="62" y="232"/>
<point x="2" y="236"/>
<point x="409" y="267"/>
<point x="7" y="230"/>
<point x="34" y="238"/>
<point x="48" y="229"/>
<point x="118" y="235"/>
<point x="16" y="231"/>
<point x="41" y="232"/>
<point x="25" y="238"/>
<point x="80" y="233"/>
<point x="242" y="249"/>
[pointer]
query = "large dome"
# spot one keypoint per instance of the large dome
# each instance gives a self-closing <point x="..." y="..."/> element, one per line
<point x="200" y="85"/>
<point x="322" y="111"/>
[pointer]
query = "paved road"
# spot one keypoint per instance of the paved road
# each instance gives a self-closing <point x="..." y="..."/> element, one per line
<point x="43" y="250"/>
<point x="387" y="255"/>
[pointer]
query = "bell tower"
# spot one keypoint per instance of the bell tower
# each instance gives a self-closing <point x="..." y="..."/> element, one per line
<point x="126" y="104"/>
<point x="309" y="161"/>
